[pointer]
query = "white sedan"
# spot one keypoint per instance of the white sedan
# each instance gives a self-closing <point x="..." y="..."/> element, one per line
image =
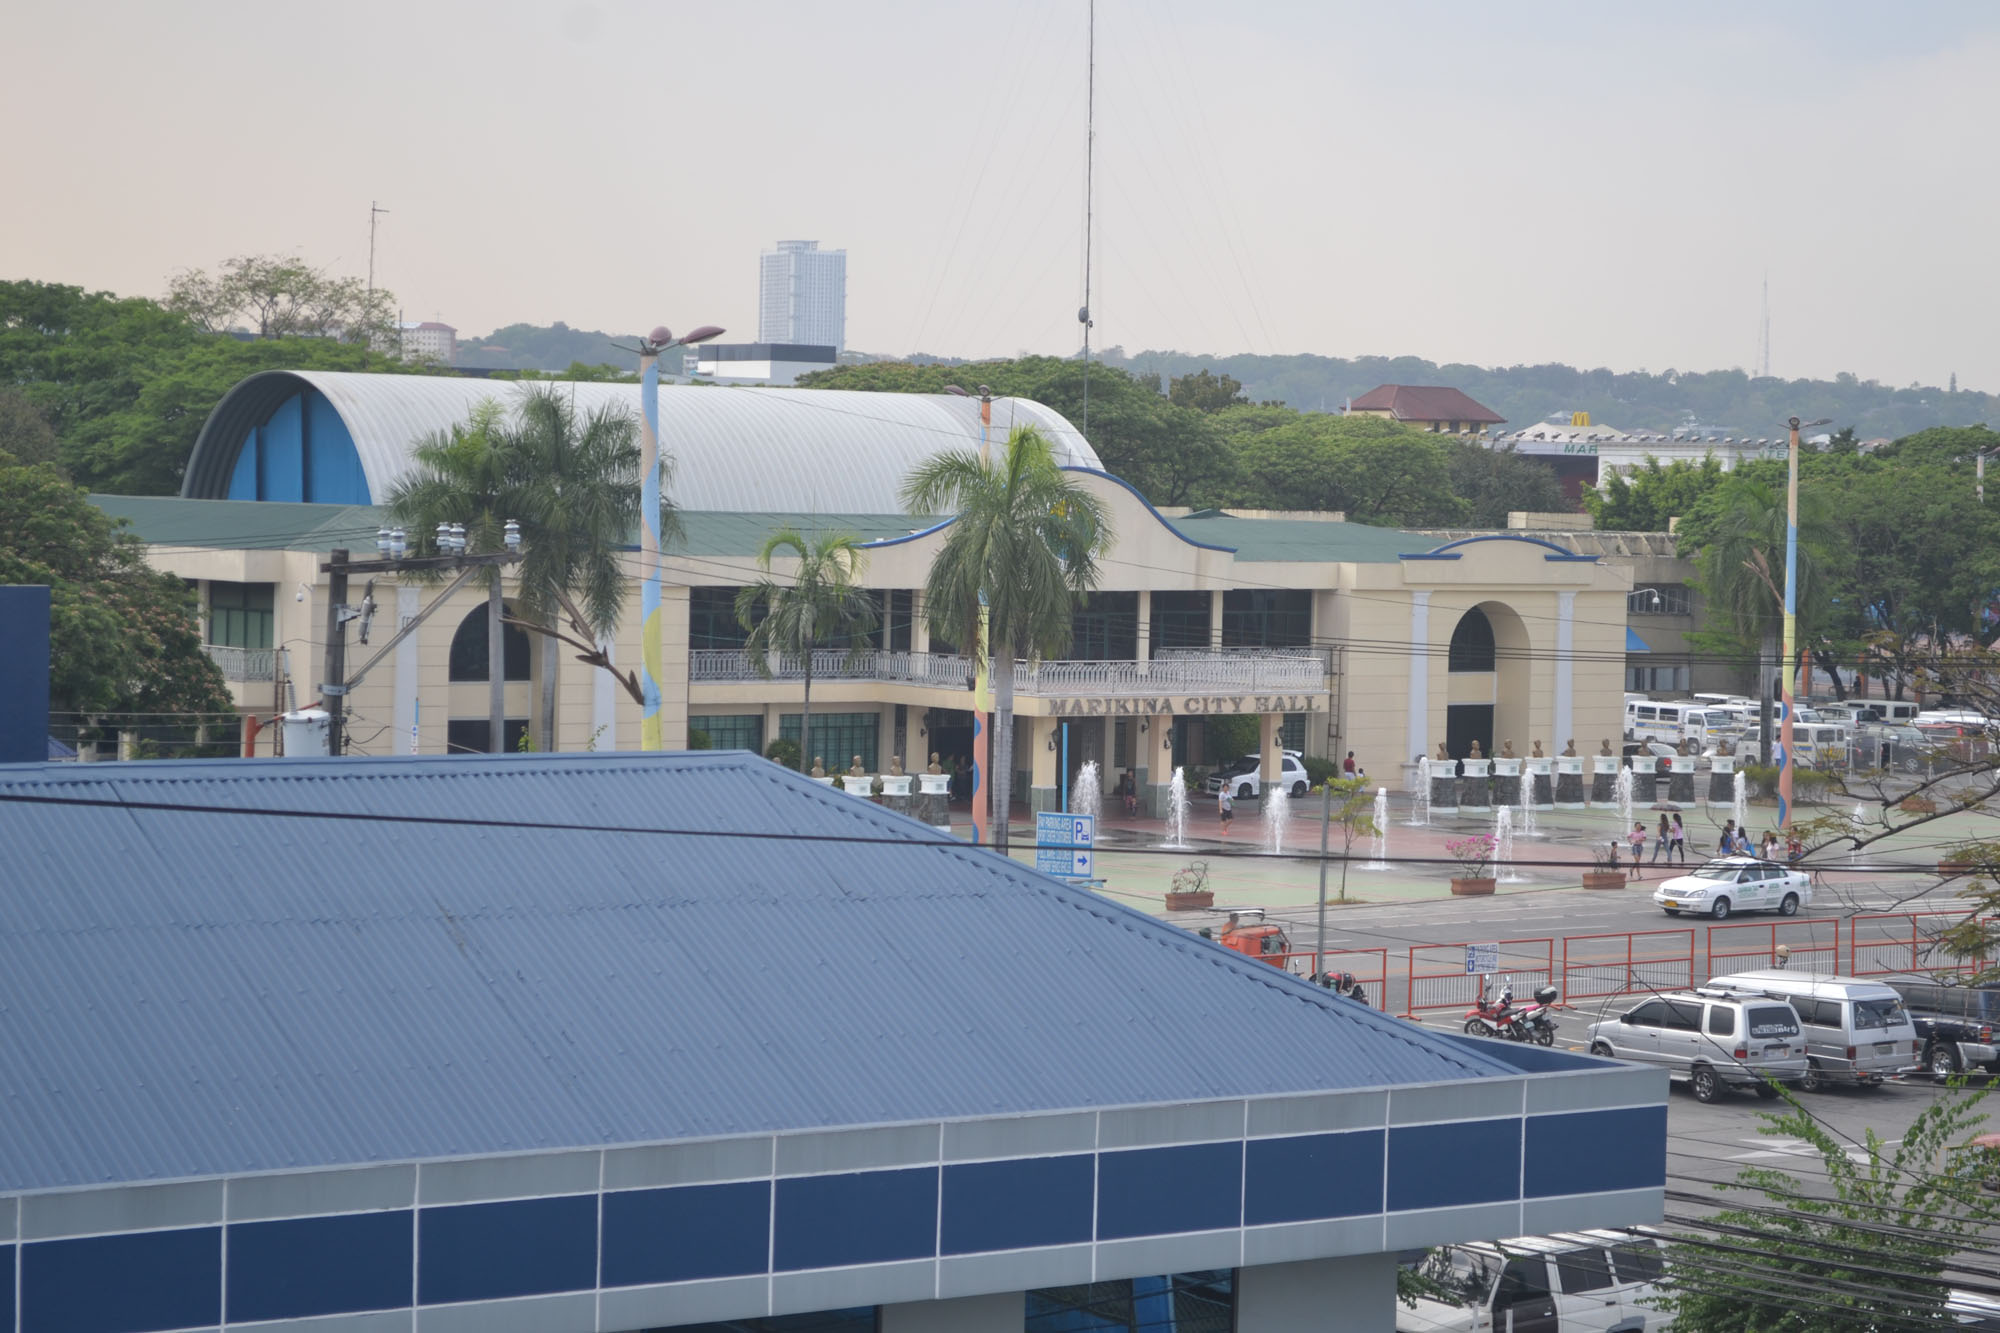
<point x="1736" y="884"/>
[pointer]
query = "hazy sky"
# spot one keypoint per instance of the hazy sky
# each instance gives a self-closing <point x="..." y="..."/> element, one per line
<point x="1602" y="184"/>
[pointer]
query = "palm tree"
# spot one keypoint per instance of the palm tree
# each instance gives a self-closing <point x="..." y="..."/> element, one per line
<point x="572" y="483"/>
<point x="820" y="605"/>
<point x="1025" y="539"/>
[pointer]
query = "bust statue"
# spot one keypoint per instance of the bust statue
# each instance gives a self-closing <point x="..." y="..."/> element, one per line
<point x="1604" y="747"/>
<point x="1441" y="753"/>
<point x="855" y="770"/>
<point x="1725" y="747"/>
<point x="819" y="766"/>
<point x="1569" y="750"/>
<point x="934" y="768"/>
<point x="1507" y="748"/>
<point x="1475" y="749"/>
<point x="895" y="766"/>
<point x="1685" y="746"/>
<point x="1538" y="752"/>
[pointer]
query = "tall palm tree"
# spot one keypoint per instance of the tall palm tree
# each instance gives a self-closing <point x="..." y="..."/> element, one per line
<point x="821" y="604"/>
<point x="572" y="482"/>
<point x="1024" y="540"/>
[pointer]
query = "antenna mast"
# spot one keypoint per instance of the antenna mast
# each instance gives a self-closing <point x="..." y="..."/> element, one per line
<point x="1089" y="200"/>
<point x="374" y="210"/>
<point x="1764" y="336"/>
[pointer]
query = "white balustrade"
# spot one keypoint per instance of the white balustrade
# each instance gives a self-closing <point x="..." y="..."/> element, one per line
<point x="1277" y="672"/>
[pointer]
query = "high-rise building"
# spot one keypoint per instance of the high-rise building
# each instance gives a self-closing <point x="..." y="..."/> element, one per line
<point x="802" y="295"/>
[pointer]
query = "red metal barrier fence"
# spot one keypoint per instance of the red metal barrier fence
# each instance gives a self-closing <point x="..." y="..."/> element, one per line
<point x="1889" y="942"/>
<point x="1750" y="945"/>
<point x="1438" y="979"/>
<point x="1595" y="966"/>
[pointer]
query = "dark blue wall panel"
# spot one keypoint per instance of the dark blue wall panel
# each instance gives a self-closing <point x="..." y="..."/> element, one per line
<point x="243" y="477"/>
<point x="1313" y="1176"/>
<point x="279" y="440"/>
<point x="1158" y="1191"/>
<point x="1590" y="1151"/>
<point x="1013" y="1205"/>
<point x="24" y="674"/>
<point x="483" y="1251"/>
<point x="319" y="1265"/>
<point x="864" y="1217"/>
<point x="6" y="1289"/>
<point x="675" y="1235"/>
<point x="1473" y="1161"/>
<point x="336" y="476"/>
<point x="123" y="1284"/>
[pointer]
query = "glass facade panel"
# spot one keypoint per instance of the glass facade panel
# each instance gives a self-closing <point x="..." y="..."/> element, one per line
<point x="1472" y="643"/>
<point x="468" y="648"/>
<point x="902" y="603"/>
<point x="732" y="731"/>
<point x="1179" y="620"/>
<point x="240" y="615"/>
<point x="1266" y="618"/>
<point x="865" y="1319"/>
<point x="469" y="735"/>
<point x="837" y="738"/>
<point x="1292" y="732"/>
<point x="1181" y="1303"/>
<point x="712" y="619"/>
<point x="1104" y="626"/>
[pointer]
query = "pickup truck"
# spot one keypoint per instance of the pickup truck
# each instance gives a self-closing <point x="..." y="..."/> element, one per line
<point x="1957" y="1025"/>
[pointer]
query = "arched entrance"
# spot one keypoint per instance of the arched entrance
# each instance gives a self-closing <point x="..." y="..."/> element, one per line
<point x="1487" y="685"/>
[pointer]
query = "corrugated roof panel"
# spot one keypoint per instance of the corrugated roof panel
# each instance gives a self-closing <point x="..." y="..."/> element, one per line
<point x="188" y="993"/>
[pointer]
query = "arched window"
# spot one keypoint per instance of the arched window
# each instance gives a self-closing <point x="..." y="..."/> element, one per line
<point x="468" y="647"/>
<point x="1472" y="642"/>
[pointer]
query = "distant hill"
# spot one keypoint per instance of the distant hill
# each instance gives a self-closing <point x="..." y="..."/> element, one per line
<point x="1727" y="401"/>
<point x="554" y="347"/>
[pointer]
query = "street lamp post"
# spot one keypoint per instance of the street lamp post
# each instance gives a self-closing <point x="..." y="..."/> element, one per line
<point x="1788" y="693"/>
<point x="652" y="656"/>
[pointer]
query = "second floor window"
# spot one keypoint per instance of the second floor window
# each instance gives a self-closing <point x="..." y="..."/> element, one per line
<point x="240" y="615"/>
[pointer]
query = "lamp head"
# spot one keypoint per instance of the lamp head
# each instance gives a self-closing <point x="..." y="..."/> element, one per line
<point x="703" y="334"/>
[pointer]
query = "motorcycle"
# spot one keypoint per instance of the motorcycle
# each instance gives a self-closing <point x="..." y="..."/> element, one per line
<point x="1536" y="1021"/>
<point x="1495" y="1019"/>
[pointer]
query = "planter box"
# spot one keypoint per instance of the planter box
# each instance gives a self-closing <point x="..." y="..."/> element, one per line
<point x="1603" y="879"/>
<point x="1949" y="868"/>
<point x="1468" y="888"/>
<point x="1917" y="805"/>
<point x="1188" y="902"/>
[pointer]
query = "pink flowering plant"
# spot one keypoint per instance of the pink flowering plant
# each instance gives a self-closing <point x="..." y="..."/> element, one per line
<point x="1474" y="854"/>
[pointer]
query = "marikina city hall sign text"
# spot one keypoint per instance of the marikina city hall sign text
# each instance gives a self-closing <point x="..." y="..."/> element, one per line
<point x="1190" y="703"/>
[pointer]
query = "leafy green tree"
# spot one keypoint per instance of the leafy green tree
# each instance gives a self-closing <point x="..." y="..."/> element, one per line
<point x="1352" y="811"/>
<point x="820" y="604"/>
<point x="281" y="296"/>
<point x="1495" y="481"/>
<point x="24" y="432"/>
<point x="1025" y="538"/>
<point x="1205" y="391"/>
<point x="1867" y="1252"/>
<point x="1647" y="498"/>
<point x="124" y="638"/>
<point x="1376" y="471"/>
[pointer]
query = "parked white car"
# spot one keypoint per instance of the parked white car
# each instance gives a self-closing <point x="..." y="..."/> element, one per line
<point x="1736" y="884"/>
<point x="1245" y="776"/>
<point x="1577" y="1282"/>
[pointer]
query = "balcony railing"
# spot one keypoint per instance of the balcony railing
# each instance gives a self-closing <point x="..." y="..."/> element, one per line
<point x="243" y="664"/>
<point x="1281" y="671"/>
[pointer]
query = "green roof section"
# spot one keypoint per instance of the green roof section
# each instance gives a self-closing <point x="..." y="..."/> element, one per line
<point x="268" y="525"/>
<point x="1304" y="539"/>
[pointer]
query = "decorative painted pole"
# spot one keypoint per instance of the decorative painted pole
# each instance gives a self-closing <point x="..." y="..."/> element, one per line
<point x="1788" y="696"/>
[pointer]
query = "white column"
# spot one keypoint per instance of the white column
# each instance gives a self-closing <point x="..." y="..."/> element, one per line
<point x="604" y="694"/>
<point x="1565" y="667"/>
<point x="1215" y="618"/>
<point x="1417" y="740"/>
<point x="409" y="670"/>
<point x="1145" y="649"/>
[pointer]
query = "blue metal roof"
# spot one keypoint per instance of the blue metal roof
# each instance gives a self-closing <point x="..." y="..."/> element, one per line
<point x="185" y="992"/>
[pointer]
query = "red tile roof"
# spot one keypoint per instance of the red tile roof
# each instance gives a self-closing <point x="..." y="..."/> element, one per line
<point x="1425" y="402"/>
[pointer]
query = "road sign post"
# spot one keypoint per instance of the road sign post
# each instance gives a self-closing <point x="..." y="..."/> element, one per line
<point x="1482" y="959"/>
<point x="1063" y="843"/>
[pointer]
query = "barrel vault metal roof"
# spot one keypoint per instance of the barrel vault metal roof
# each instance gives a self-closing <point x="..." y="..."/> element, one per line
<point x="242" y="965"/>
<point x="788" y="450"/>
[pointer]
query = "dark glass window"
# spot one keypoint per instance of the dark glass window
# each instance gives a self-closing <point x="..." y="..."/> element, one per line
<point x="1523" y="1282"/>
<point x="837" y="738"/>
<point x="864" y="1319"/>
<point x="712" y="619"/>
<point x="1721" y="1021"/>
<point x="902" y="602"/>
<point x="1292" y="732"/>
<point x="732" y="731"/>
<point x="1266" y="618"/>
<point x="1472" y="642"/>
<point x="1104" y="626"/>
<point x="1651" y="1014"/>
<point x="1182" y="1303"/>
<point x="1683" y="1015"/>
<point x="469" y="735"/>
<point x="1583" y="1270"/>
<point x="1179" y="620"/>
<point x="240" y="615"/>
<point x="1639" y="1261"/>
<point x="468" y="648"/>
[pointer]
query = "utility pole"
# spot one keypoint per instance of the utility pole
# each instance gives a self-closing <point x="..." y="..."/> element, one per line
<point x="374" y="211"/>
<point x="334" y="688"/>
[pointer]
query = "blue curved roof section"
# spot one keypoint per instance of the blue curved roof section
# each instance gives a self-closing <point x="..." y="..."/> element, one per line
<point x="1158" y="517"/>
<point x="918" y="535"/>
<point x="209" y="970"/>
<point x="293" y="445"/>
<point x="1450" y="551"/>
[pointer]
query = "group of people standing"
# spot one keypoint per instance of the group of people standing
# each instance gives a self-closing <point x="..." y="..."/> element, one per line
<point x="1670" y="841"/>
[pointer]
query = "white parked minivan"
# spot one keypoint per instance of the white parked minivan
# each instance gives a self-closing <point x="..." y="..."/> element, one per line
<point x="1856" y="1030"/>
<point x="1576" y="1282"/>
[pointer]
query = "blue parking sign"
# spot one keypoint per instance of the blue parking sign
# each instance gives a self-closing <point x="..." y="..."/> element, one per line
<point x="1063" y="842"/>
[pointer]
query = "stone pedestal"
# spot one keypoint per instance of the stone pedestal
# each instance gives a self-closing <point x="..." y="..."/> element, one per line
<point x="896" y="793"/>
<point x="1443" y="777"/>
<point x="1474" y="786"/>
<point x="1680" y="782"/>
<point x="1603" y="778"/>
<point x="828" y="782"/>
<point x="1722" y="780"/>
<point x="932" y="803"/>
<point x="1541" y="781"/>
<point x="862" y="786"/>
<point x="1645" y="779"/>
<point x="1506" y="782"/>
<point x="1569" y="782"/>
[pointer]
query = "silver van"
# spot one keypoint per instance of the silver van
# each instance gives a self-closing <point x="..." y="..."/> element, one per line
<point x="1715" y="1038"/>
<point x="1856" y="1030"/>
<point x="1577" y="1282"/>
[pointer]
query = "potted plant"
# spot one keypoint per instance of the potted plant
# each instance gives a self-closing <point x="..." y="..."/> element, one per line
<point x="1190" y="890"/>
<point x="1917" y="804"/>
<point x="1474" y="855"/>
<point x="1604" y="872"/>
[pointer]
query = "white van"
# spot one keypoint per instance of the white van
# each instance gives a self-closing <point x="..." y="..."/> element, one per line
<point x="1820" y="746"/>
<point x="1673" y="721"/>
<point x="1856" y="1030"/>
<point x="1576" y="1282"/>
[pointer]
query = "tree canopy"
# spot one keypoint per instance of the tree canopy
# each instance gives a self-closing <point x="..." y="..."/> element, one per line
<point x="282" y="296"/>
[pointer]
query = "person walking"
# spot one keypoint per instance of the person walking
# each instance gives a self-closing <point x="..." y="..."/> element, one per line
<point x="1661" y="838"/>
<point x="1225" y="805"/>
<point x="1728" y="845"/>
<point x="1637" y="837"/>
<point x="1679" y="834"/>
<point x="1347" y="766"/>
